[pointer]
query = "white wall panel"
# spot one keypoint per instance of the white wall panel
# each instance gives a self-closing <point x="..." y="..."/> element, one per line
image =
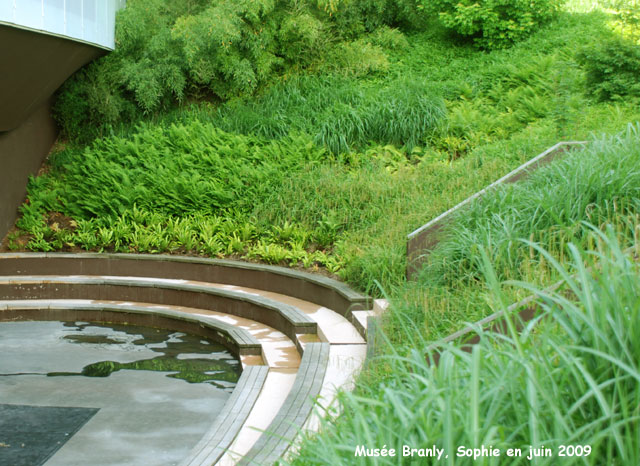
<point x="54" y="16"/>
<point x="28" y="13"/>
<point x="88" y="20"/>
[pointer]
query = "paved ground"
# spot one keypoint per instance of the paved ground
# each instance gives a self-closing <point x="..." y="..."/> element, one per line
<point x="130" y="417"/>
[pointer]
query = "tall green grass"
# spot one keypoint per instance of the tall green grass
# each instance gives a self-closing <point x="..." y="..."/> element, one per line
<point x="600" y="184"/>
<point x="338" y="113"/>
<point x="570" y="378"/>
<point x="595" y="185"/>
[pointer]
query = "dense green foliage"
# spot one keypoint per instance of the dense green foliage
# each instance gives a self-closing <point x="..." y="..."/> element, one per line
<point x="612" y="69"/>
<point x="183" y="188"/>
<point x="175" y="171"/>
<point x="339" y="115"/>
<point x="169" y="51"/>
<point x="571" y="378"/>
<point x="493" y="23"/>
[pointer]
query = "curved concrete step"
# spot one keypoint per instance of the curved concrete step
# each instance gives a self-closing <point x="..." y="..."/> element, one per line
<point x="297" y="408"/>
<point x="237" y="339"/>
<point x="252" y="297"/>
<point x="305" y="286"/>
<point x="286" y="318"/>
<point x="228" y="424"/>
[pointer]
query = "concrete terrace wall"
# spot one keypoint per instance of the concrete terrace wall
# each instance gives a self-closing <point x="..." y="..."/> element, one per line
<point x="21" y="154"/>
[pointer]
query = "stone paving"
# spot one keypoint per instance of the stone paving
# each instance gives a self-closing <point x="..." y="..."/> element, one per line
<point x="281" y="357"/>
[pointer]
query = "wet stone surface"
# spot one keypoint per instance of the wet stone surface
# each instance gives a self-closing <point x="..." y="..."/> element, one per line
<point x="147" y="395"/>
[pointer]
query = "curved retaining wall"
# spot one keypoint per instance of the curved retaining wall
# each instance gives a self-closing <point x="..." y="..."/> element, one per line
<point x="223" y="301"/>
<point x="313" y="288"/>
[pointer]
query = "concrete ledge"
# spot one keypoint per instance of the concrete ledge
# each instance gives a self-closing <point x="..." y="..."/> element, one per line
<point x="297" y="408"/>
<point x="283" y="317"/>
<point x="308" y="287"/>
<point x="230" y="420"/>
<point x="425" y="238"/>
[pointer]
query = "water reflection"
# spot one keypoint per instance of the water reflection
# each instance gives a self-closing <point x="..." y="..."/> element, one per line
<point x="125" y="347"/>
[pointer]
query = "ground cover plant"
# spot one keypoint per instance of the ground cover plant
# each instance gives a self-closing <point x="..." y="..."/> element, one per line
<point x="184" y="189"/>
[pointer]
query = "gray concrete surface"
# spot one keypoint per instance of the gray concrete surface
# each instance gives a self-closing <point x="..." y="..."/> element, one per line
<point x="144" y="417"/>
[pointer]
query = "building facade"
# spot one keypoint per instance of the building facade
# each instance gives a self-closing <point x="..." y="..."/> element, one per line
<point x="42" y="43"/>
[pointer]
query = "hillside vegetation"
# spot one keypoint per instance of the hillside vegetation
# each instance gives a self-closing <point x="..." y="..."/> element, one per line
<point x="316" y="166"/>
<point x="569" y="379"/>
<point x="318" y="134"/>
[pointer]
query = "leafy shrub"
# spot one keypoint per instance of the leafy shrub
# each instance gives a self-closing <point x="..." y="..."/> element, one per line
<point x="389" y="38"/>
<point x="216" y="49"/>
<point x="357" y="58"/>
<point x="230" y="46"/>
<point x="88" y="104"/>
<point x="613" y="69"/>
<point x="492" y="23"/>
<point x="301" y="35"/>
<point x="355" y="17"/>
<point x="627" y="17"/>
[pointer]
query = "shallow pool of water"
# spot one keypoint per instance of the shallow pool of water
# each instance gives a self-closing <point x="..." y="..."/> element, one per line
<point x="107" y="394"/>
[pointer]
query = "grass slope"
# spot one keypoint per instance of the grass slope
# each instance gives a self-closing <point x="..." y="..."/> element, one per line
<point x="571" y="379"/>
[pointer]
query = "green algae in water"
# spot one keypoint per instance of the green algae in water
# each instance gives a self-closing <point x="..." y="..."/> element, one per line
<point x="181" y="356"/>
